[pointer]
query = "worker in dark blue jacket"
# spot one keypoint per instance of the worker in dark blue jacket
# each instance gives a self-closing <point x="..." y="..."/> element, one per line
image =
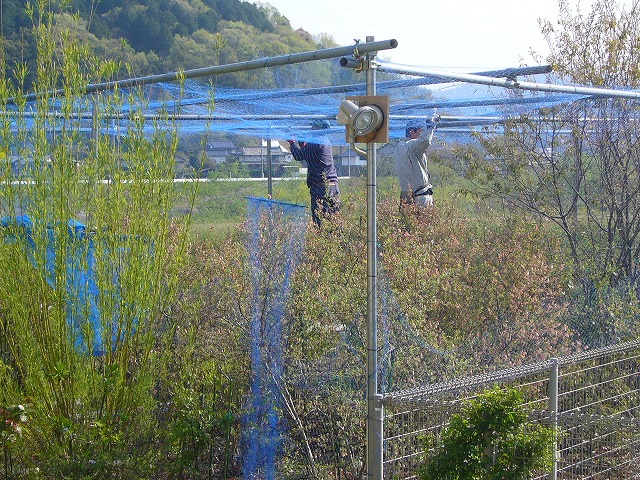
<point x="322" y="176"/>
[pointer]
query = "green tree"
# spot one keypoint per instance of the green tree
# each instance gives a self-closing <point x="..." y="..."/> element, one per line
<point x="196" y="51"/>
<point x="137" y="34"/>
<point x="490" y="440"/>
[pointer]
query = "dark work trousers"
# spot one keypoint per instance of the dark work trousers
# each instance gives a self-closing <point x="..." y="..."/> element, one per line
<point x="325" y="201"/>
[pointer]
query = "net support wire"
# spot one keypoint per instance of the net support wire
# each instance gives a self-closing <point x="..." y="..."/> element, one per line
<point x="390" y="84"/>
<point x="230" y="117"/>
<point x="241" y="96"/>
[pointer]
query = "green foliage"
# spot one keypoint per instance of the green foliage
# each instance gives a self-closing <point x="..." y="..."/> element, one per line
<point x="232" y="168"/>
<point x="207" y="376"/>
<point x="490" y="440"/>
<point x="92" y="415"/>
<point x="203" y="432"/>
<point x="12" y="420"/>
<point x="596" y="47"/>
<point x="157" y="36"/>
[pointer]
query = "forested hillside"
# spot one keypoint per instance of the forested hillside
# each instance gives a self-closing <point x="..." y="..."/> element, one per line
<point x="157" y="36"/>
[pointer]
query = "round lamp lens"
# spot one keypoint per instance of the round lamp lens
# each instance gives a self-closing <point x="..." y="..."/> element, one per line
<point x="364" y="120"/>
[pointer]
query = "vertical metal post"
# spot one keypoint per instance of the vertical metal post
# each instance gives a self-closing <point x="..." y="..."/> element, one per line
<point x="261" y="159"/>
<point x="94" y="120"/>
<point x="374" y="400"/>
<point x="553" y="413"/>
<point x="269" y="169"/>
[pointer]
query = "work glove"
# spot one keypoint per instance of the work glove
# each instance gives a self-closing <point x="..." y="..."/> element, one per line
<point x="431" y="124"/>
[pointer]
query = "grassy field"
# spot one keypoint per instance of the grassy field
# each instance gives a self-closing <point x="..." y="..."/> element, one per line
<point x="220" y="205"/>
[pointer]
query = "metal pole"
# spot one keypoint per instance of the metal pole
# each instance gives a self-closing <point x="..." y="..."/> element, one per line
<point x="94" y="122"/>
<point x="374" y="399"/>
<point x="553" y="412"/>
<point x="510" y="83"/>
<point x="269" y="169"/>
<point x="360" y="48"/>
<point x="261" y="159"/>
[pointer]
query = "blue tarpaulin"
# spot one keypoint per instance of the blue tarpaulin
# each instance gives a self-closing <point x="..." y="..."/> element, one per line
<point x="83" y="315"/>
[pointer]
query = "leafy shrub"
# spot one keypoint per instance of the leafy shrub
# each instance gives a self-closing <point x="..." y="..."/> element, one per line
<point x="490" y="440"/>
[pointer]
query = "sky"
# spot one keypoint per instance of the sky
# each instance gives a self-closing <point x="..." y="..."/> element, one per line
<point x="456" y="35"/>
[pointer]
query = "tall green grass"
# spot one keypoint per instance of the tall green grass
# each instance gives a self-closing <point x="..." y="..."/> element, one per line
<point x="91" y="415"/>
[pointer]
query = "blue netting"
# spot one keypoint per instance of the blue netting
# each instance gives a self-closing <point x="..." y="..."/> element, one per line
<point x="196" y="107"/>
<point x="276" y="232"/>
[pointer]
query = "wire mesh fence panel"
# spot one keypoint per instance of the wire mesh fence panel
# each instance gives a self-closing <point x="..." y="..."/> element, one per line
<point x="598" y="405"/>
<point x="596" y="424"/>
<point x="405" y="432"/>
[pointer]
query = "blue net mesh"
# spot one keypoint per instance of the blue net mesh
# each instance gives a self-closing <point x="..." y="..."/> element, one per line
<point x="276" y="232"/>
<point x="197" y="107"/>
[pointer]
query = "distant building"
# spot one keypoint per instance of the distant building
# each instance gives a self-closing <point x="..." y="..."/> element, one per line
<point x="257" y="159"/>
<point x="220" y="151"/>
<point x="349" y="162"/>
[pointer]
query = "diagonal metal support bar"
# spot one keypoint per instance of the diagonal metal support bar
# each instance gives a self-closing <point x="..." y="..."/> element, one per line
<point x="359" y="48"/>
<point x="509" y="82"/>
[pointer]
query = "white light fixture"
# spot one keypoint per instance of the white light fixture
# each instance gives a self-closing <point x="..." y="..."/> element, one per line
<point x="363" y="120"/>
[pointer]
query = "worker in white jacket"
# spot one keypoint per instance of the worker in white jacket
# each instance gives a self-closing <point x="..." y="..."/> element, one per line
<point x="411" y="162"/>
